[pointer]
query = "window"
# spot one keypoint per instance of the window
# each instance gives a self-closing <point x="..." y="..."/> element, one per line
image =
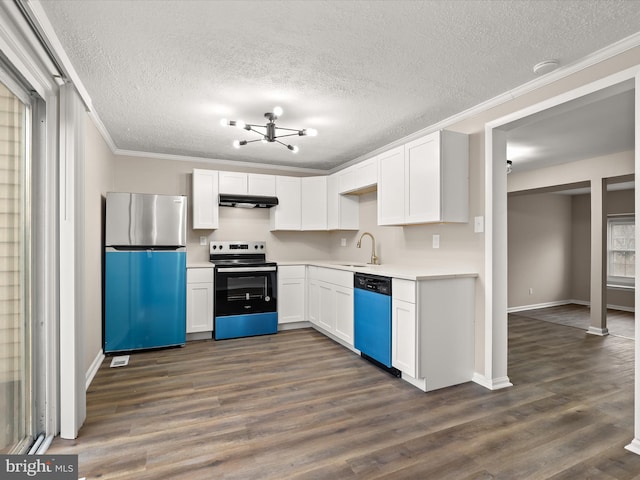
<point x="621" y="248"/>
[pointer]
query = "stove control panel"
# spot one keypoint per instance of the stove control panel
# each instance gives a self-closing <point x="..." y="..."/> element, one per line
<point x="236" y="247"/>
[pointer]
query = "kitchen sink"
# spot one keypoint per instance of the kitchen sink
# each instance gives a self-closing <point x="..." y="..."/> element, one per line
<point x="356" y="265"/>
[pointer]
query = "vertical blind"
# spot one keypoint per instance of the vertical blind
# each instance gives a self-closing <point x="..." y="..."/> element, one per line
<point x="14" y="388"/>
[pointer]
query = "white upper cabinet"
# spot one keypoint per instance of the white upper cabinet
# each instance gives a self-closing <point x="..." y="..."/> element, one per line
<point x="391" y="187"/>
<point x="247" y="183"/>
<point x="359" y="178"/>
<point x="425" y="181"/>
<point x="287" y="214"/>
<point x="259" y="184"/>
<point x="314" y="203"/>
<point x="205" y="199"/>
<point x="343" y="211"/>
<point x="233" y="182"/>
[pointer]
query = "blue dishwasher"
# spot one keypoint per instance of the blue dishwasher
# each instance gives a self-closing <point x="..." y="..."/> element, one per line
<point x="372" y="312"/>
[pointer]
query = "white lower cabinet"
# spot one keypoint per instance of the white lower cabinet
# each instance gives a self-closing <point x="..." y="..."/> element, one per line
<point x="313" y="301"/>
<point x="330" y="301"/>
<point x="344" y="313"/>
<point x="199" y="300"/>
<point x="291" y="293"/>
<point x="403" y="347"/>
<point x="432" y="331"/>
<point x="327" y="314"/>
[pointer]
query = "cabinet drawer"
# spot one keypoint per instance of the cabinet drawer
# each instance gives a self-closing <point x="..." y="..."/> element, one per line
<point x="199" y="275"/>
<point x="336" y="277"/>
<point x="404" y="290"/>
<point x="291" y="271"/>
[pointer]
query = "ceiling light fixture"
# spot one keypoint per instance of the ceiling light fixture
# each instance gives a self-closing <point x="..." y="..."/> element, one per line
<point x="269" y="135"/>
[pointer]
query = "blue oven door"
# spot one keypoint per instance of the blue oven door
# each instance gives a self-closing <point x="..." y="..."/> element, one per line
<point x="245" y="303"/>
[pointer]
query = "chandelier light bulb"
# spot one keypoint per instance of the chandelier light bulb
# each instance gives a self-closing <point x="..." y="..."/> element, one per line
<point x="277" y="111"/>
<point x="236" y="143"/>
<point x="310" y="132"/>
<point x="224" y="122"/>
<point x="240" y="124"/>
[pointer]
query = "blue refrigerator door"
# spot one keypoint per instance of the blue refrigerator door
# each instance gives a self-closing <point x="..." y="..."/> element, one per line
<point x="145" y="299"/>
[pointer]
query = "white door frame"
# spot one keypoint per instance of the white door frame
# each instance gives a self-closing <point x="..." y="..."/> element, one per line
<point x="495" y="337"/>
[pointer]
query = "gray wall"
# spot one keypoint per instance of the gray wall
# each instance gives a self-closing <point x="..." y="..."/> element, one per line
<point x="550" y="248"/>
<point x="539" y="257"/>
<point x="618" y="202"/>
<point x="99" y="178"/>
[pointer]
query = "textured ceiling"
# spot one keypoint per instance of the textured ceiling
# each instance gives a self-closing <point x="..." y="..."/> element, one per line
<point x="161" y="74"/>
<point x="594" y="125"/>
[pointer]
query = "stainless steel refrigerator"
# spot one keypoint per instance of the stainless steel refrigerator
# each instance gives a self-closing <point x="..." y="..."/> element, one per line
<point x="145" y="271"/>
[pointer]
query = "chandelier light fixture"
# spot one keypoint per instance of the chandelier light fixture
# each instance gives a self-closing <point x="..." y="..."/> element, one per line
<point x="269" y="132"/>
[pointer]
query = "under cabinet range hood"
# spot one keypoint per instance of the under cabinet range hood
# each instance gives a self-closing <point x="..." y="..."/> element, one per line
<point x="247" y="201"/>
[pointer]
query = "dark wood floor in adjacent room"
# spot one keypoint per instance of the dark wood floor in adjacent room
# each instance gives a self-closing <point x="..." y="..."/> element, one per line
<point x="297" y="405"/>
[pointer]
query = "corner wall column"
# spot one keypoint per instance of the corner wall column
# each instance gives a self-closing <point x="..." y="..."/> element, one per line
<point x="598" y="324"/>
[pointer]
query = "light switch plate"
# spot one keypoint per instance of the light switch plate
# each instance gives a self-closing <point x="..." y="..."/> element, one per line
<point x="436" y="241"/>
<point x="203" y="241"/>
<point x="343" y="242"/>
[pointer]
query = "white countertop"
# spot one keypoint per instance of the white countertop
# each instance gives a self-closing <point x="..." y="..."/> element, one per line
<point x="406" y="272"/>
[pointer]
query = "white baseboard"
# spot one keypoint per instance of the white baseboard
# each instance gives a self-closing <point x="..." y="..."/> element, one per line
<point x="93" y="369"/>
<point x="534" y="306"/>
<point x="634" y="446"/>
<point x="199" y="336"/>
<point x="293" y="325"/>
<point x="600" y="332"/>
<point x="491" y="383"/>
<point x="558" y="303"/>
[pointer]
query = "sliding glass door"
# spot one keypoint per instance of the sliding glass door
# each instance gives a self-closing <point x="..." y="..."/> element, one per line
<point x="15" y="321"/>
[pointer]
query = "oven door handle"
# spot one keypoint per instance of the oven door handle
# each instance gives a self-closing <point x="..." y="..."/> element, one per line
<point x="246" y="269"/>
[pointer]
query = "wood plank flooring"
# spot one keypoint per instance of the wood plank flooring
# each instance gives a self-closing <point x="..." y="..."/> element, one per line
<point x="296" y="405"/>
<point x="619" y="323"/>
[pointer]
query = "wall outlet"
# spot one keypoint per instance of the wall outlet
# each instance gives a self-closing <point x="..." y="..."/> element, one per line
<point x="531" y="291"/>
<point x="478" y="224"/>
<point x="203" y="240"/>
<point x="436" y="241"/>
<point x="343" y="242"/>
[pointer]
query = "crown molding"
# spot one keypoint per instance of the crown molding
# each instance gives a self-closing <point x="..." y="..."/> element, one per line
<point x="217" y="162"/>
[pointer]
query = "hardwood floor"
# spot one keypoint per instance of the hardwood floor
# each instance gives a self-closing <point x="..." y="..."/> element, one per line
<point x="619" y="323"/>
<point x="296" y="405"/>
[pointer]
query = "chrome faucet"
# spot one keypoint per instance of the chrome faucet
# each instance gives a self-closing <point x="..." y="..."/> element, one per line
<point x="374" y="259"/>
